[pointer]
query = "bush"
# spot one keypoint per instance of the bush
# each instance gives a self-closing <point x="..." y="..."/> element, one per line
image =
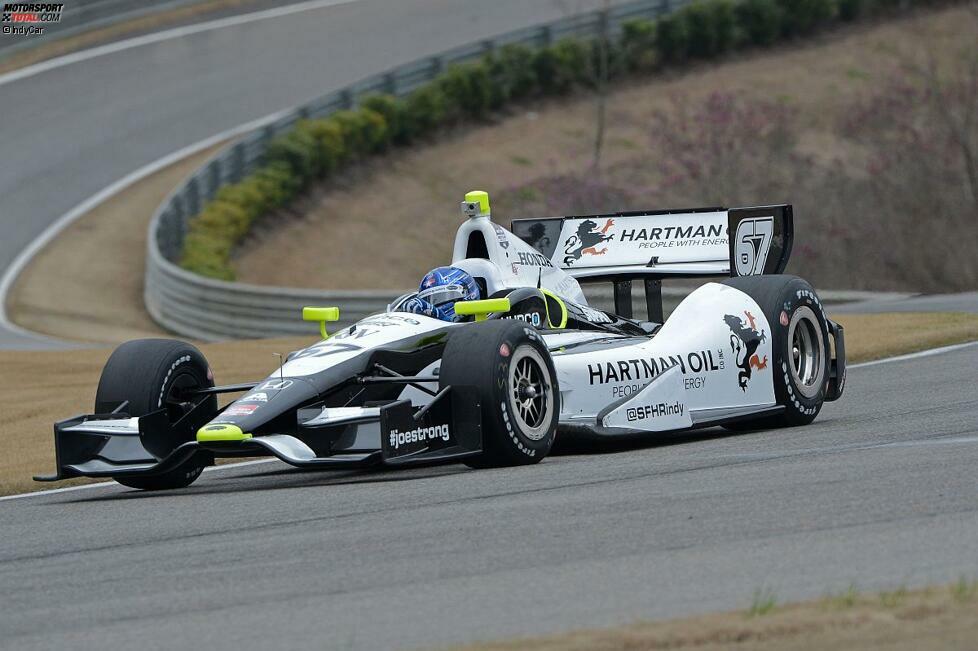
<point x="672" y="38"/>
<point x="562" y="65"/>
<point x="760" y="21"/>
<point x="297" y="149"/>
<point x="466" y="87"/>
<point x="710" y="27"/>
<point x="364" y="131"/>
<point x="392" y="110"/>
<point x="511" y="73"/>
<point x="851" y="9"/>
<point x="802" y="16"/>
<point x="638" y="45"/>
<point x="330" y="149"/>
<point x="424" y="109"/>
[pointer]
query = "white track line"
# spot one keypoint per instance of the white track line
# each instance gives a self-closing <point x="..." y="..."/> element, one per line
<point x="923" y="353"/>
<point x="24" y="257"/>
<point x="899" y="358"/>
<point x="104" y="484"/>
<point x="166" y="35"/>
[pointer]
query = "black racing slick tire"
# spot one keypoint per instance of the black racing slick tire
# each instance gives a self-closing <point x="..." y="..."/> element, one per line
<point x="800" y="346"/>
<point x="149" y="375"/>
<point x="510" y="367"/>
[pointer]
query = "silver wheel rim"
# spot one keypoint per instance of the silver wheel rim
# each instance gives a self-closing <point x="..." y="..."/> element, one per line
<point x="806" y="352"/>
<point x="530" y="393"/>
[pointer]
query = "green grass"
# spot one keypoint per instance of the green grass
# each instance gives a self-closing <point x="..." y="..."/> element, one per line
<point x="763" y="602"/>
<point x="964" y="590"/>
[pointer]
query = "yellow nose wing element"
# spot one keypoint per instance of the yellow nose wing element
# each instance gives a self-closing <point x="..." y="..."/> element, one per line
<point x="210" y="433"/>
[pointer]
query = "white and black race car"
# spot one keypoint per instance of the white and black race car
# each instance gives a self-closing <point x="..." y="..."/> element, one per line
<point x="532" y="361"/>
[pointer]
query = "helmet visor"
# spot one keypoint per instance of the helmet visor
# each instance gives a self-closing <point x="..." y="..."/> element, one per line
<point x="443" y="294"/>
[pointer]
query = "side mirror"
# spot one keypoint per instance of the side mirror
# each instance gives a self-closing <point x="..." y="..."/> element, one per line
<point x="322" y="315"/>
<point x="481" y="309"/>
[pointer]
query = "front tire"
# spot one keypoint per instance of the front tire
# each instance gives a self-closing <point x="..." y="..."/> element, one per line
<point x="150" y="375"/>
<point x="510" y="367"/>
<point x="800" y="343"/>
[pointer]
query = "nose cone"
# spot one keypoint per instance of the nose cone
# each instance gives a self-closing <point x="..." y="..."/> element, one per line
<point x="209" y="433"/>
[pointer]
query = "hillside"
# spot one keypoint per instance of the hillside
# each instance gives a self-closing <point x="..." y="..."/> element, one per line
<point x="842" y="126"/>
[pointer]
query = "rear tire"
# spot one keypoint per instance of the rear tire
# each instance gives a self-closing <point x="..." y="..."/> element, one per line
<point x="510" y="367"/>
<point x="149" y="374"/>
<point x="800" y="343"/>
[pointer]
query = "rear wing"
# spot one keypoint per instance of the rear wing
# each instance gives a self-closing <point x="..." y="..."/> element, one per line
<point x="653" y="245"/>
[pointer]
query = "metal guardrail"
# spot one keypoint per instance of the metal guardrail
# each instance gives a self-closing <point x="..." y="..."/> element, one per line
<point x="208" y="309"/>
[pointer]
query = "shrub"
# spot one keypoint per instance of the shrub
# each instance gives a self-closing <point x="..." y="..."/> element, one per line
<point x="330" y="148"/>
<point x="466" y="87"/>
<point x="562" y="65"/>
<point x="710" y="27"/>
<point x="424" y="109"/>
<point x="851" y="9"/>
<point x="672" y="38"/>
<point x="207" y="255"/>
<point x="364" y="131"/>
<point x="760" y="20"/>
<point x="638" y="45"/>
<point x="297" y="149"/>
<point x="802" y="16"/>
<point x="392" y="109"/>
<point x="511" y="73"/>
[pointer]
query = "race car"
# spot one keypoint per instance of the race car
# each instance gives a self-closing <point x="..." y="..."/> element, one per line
<point x="496" y="356"/>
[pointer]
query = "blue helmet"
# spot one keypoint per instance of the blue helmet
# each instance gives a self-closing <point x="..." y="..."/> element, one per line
<point x="439" y="291"/>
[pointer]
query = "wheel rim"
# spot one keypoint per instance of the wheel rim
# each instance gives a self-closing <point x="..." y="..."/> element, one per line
<point x="530" y="393"/>
<point x="175" y="402"/>
<point x="806" y="352"/>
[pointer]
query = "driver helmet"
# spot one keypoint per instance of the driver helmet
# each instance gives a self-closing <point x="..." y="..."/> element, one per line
<point x="441" y="288"/>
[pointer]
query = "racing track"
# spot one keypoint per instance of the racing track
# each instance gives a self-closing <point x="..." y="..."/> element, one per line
<point x="71" y="131"/>
<point x="880" y="491"/>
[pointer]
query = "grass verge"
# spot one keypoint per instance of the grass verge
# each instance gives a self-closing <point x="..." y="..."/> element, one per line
<point x="943" y="617"/>
<point x="38" y="388"/>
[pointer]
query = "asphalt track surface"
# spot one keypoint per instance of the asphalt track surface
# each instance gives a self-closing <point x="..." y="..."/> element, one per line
<point x="71" y="131"/>
<point x="880" y="491"/>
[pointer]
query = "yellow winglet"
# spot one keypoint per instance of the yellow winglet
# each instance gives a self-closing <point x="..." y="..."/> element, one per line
<point x="322" y="315"/>
<point x="481" y="309"/>
<point x="209" y="433"/>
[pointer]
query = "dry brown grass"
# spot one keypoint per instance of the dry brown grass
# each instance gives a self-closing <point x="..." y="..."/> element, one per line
<point x="38" y="388"/>
<point x="933" y="618"/>
<point x="62" y="293"/>
<point x="406" y="237"/>
<point x="869" y="337"/>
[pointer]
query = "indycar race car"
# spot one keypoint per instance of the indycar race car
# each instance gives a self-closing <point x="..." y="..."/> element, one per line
<point x="528" y="362"/>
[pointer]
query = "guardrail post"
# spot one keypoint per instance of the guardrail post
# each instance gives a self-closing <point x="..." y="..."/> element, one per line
<point x="390" y="83"/>
<point x="437" y="65"/>
<point x="192" y="196"/>
<point x="213" y="178"/>
<point x="237" y="162"/>
<point x="488" y="46"/>
<point x="346" y="98"/>
<point x="546" y="36"/>
<point x="664" y="8"/>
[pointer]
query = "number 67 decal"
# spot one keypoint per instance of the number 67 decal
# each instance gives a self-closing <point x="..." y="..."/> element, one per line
<point x="753" y="243"/>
